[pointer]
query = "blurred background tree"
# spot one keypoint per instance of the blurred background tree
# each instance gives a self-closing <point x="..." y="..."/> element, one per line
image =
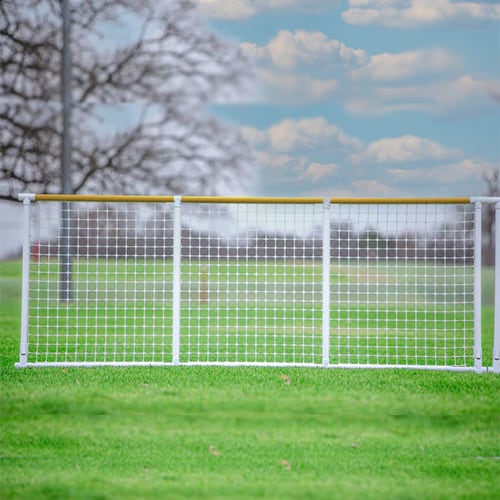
<point x="143" y="74"/>
<point x="492" y="180"/>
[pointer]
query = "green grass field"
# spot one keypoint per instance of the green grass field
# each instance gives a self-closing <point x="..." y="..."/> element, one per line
<point x="254" y="312"/>
<point x="211" y="432"/>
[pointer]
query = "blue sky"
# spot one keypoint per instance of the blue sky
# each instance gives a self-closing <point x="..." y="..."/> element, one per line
<point x="367" y="97"/>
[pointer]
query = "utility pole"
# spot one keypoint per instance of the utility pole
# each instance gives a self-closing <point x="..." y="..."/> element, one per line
<point x="66" y="149"/>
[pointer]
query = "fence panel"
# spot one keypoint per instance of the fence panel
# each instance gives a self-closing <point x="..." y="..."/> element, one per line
<point x="251" y="284"/>
<point x="252" y="281"/>
<point x="119" y="295"/>
<point x="402" y="285"/>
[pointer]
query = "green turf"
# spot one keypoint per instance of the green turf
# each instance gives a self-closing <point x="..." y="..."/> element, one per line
<point x="274" y="433"/>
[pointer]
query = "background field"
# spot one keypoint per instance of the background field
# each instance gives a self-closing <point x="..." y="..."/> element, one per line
<point x="253" y="311"/>
<point x="242" y="432"/>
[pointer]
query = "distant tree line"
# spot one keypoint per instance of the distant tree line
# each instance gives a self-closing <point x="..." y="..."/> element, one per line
<point x="106" y="232"/>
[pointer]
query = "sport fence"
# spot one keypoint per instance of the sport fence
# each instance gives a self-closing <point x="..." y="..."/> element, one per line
<point x="190" y="280"/>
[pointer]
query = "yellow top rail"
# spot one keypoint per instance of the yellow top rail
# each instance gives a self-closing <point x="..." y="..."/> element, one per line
<point x="248" y="199"/>
<point x="165" y="199"/>
<point x="403" y="201"/>
<point x="105" y="198"/>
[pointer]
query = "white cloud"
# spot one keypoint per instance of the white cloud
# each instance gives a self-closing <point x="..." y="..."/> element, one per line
<point x="297" y="67"/>
<point x="241" y="9"/>
<point x="293" y="88"/>
<point x="302" y="156"/>
<point x="458" y="172"/>
<point x="444" y="93"/>
<point x="280" y="161"/>
<point x="458" y="95"/>
<point x="315" y="157"/>
<point x="289" y="49"/>
<point x="370" y="187"/>
<point x="408" y="148"/>
<point x="316" y="172"/>
<point x="492" y="89"/>
<point x="254" y="135"/>
<point x="294" y="171"/>
<point x="410" y="13"/>
<point x="409" y="64"/>
<point x="308" y="133"/>
<point x="229" y="9"/>
<point x="254" y="51"/>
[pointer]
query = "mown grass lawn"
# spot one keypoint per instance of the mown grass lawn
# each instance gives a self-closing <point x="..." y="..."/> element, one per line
<point x="203" y="432"/>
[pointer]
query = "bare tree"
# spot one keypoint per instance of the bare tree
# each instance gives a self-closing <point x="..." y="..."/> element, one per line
<point x="492" y="180"/>
<point x="159" y="77"/>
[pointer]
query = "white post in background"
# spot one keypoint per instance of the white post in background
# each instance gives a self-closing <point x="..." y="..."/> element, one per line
<point x="23" y="352"/>
<point x="496" y="341"/>
<point x="478" y="356"/>
<point x="176" y="299"/>
<point x="326" y="284"/>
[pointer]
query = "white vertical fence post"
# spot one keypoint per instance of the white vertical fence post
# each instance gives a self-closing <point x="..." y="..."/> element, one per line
<point x="496" y="341"/>
<point x="326" y="284"/>
<point x="478" y="357"/>
<point x="176" y="298"/>
<point x="23" y="353"/>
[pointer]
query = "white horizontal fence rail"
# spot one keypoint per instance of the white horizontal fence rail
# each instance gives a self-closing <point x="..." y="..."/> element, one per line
<point x="232" y="281"/>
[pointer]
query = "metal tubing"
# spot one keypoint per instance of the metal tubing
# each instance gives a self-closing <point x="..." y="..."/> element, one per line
<point x="485" y="199"/>
<point x="254" y="199"/>
<point x="478" y="209"/>
<point x="402" y="201"/>
<point x="326" y="284"/>
<point x="23" y="352"/>
<point x="265" y="364"/>
<point x="104" y="198"/>
<point x="249" y="199"/>
<point x="26" y="196"/>
<point x="496" y="341"/>
<point x="176" y="306"/>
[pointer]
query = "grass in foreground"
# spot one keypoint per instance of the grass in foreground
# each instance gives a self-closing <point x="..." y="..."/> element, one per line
<point x="242" y="433"/>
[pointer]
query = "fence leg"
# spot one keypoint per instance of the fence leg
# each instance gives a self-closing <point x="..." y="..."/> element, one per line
<point x="176" y="299"/>
<point x="23" y="351"/>
<point x="478" y="356"/>
<point x="326" y="284"/>
<point x="496" y="341"/>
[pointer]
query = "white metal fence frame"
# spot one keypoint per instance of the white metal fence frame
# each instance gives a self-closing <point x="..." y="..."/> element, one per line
<point x="175" y="350"/>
